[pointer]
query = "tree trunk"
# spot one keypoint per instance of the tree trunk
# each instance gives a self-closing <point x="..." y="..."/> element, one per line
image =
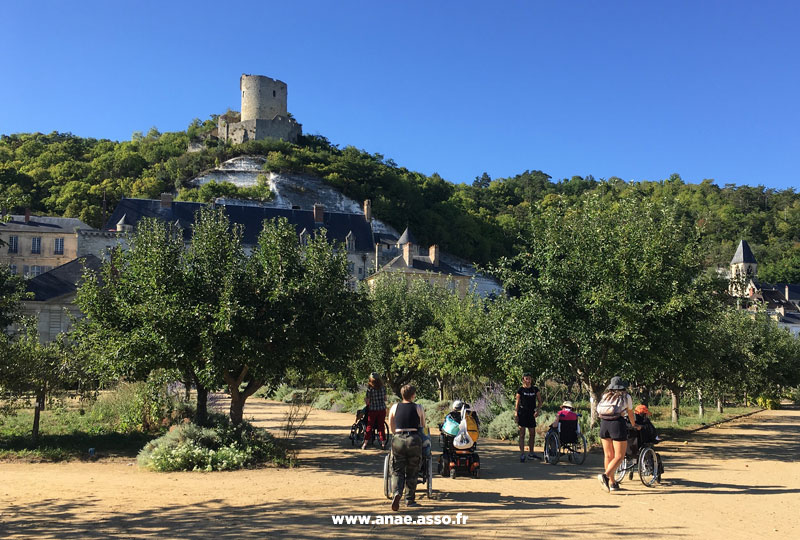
<point x="440" y="385"/>
<point x="745" y="398"/>
<point x="676" y="398"/>
<point x="595" y="392"/>
<point x="238" y="397"/>
<point x="36" y="413"/>
<point x="701" y="411"/>
<point x="646" y="395"/>
<point x="201" y="415"/>
<point x="237" y="408"/>
<point x="720" y="400"/>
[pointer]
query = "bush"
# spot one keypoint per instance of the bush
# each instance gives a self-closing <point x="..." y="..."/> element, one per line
<point x="795" y="396"/>
<point x="142" y="406"/>
<point x="769" y="402"/>
<point x="281" y="392"/>
<point x="504" y="427"/>
<point x="434" y="411"/>
<point x="349" y="402"/>
<point x="326" y="400"/>
<point x="219" y="447"/>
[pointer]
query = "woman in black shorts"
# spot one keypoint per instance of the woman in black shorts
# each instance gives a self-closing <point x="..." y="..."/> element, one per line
<point x="526" y="409"/>
<point x="613" y="407"/>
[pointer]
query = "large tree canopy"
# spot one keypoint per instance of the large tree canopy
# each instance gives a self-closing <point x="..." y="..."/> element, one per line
<point x="217" y="315"/>
<point x="608" y="287"/>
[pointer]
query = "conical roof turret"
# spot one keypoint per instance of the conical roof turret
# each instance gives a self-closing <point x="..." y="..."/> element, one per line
<point x="406" y="238"/>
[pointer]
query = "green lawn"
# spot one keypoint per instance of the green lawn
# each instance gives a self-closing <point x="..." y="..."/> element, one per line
<point x="65" y="434"/>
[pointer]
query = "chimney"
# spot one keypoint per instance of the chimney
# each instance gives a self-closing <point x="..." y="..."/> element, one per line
<point x="368" y="210"/>
<point x="407" y="256"/>
<point x="319" y="212"/>
<point x="433" y="253"/>
<point x="166" y="200"/>
<point x="27" y="215"/>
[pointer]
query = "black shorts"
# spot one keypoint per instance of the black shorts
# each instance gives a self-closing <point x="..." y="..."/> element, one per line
<point x="526" y="419"/>
<point x="616" y="430"/>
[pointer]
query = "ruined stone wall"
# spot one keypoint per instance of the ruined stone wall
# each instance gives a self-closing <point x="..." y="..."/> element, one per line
<point x="280" y="127"/>
<point x="262" y="98"/>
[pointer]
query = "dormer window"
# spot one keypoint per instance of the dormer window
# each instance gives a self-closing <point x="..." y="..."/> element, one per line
<point x="350" y="241"/>
<point x="304" y="237"/>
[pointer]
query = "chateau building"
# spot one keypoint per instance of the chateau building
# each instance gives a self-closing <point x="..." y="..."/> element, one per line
<point x="37" y="244"/>
<point x="410" y="262"/>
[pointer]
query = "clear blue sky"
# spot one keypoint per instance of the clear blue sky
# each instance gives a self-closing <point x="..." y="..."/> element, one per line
<point x="635" y="89"/>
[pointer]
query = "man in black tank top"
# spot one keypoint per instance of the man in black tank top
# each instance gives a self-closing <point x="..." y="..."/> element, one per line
<point x="405" y="419"/>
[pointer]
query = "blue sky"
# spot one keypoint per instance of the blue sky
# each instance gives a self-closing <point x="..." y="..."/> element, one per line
<point x="639" y="90"/>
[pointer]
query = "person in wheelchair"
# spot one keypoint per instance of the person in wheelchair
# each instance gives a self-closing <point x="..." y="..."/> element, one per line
<point x="457" y="458"/>
<point x="567" y="431"/>
<point x="640" y="453"/>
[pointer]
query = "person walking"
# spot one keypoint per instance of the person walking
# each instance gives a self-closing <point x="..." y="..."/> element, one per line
<point x="613" y="407"/>
<point x="405" y="420"/>
<point x="376" y="411"/>
<point x="527" y="408"/>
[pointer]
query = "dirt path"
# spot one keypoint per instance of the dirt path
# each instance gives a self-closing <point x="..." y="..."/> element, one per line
<point x="738" y="480"/>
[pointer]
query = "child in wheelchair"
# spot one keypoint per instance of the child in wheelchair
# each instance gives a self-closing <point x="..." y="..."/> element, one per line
<point x="647" y="436"/>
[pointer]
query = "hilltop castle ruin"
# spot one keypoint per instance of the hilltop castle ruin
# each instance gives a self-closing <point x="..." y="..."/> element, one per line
<point x="263" y="115"/>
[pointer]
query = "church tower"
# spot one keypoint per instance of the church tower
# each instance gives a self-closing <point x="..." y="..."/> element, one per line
<point x="743" y="269"/>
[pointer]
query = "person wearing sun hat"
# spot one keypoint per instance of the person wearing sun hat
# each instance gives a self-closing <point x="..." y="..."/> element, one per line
<point x="567" y="412"/>
<point x="615" y="405"/>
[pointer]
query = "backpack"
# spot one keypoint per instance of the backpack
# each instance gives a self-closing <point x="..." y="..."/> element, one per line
<point x="610" y="408"/>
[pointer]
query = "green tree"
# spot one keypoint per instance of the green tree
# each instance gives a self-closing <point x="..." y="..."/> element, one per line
<point x="609" y="286"/>
<point x="214" y="314"/>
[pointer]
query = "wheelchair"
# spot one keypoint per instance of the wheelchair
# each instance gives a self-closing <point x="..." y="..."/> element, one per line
<point x="642" y="457"/>
<point x="359" y="428"/>
<point x="425" y="476"/>
<point x="566" y="439"/>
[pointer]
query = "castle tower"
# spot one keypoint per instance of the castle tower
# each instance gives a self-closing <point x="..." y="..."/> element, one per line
<point x="743" y="269"/>
<point x="262" y="98"/>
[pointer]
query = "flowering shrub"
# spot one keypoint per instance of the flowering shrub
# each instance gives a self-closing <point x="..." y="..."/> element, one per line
<point x="504" y="427"/>
<point x="219" y="447"/>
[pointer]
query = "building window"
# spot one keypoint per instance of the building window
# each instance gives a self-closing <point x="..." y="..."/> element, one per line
<point x="13" y="269"/>
<point x="13" y="244"/>
<point x="351" y="267"/>
<point x="59" y="246"/>
<point x="360" y="271"/>
<point x="36" y="244"/>
<point x="36" y="270"/>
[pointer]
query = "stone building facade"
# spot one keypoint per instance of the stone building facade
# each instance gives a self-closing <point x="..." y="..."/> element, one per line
<point x="264" y="113"/>
<point x="37" y="244"/>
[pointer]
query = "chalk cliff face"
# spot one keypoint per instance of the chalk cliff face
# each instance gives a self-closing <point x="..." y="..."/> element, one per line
<point x="294" y="190"/>
<point x="289" y="189"/>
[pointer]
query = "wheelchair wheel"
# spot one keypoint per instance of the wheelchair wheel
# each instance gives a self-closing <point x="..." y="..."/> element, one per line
<point x="648" y="466"/>
<point x="578" y="454"/>
<point x="625" y="465"/>
<point x="551" y="453"/>
<point x="387" y="476"/>
<point x="357" y="433"/>
<point x="430" y="476"/>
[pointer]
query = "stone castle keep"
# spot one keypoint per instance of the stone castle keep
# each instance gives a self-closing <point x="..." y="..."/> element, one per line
<point x="264" y="114"/>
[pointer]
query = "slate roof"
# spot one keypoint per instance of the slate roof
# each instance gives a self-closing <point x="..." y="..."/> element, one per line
<point x="43" y="224"/>
<point x="406" y="238"/>
<point x="337" y="224"/>
<point x="743" y="254"/>
<point x="61" y="280"/>
<point x="398" y="263"/>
